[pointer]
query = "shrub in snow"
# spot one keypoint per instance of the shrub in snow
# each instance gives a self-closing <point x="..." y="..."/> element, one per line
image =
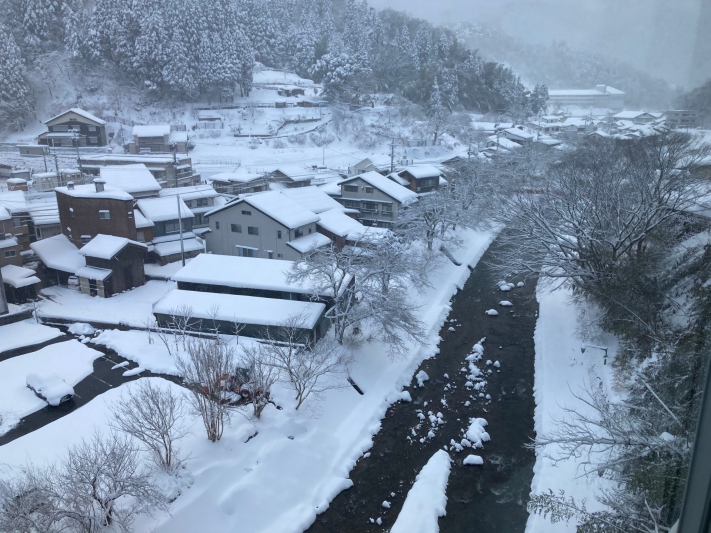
<point x="451" y="329"/>
<point x="476" y="433"/>
<point x="153" y="414"/>
<point x="421" y="377"/>
<point x="492" y="312"/>
<point x="505" y="303"/>
<point x="473" y="460"/>
<point x="520" y="284"/>
<point x="497" y="364"/>
<point x="386" y="504"/>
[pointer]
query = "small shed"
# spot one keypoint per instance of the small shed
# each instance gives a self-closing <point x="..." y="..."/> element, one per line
<point x="33" y="150"/>
<point x="113" y="265"/>
<point x="20" y="283"/>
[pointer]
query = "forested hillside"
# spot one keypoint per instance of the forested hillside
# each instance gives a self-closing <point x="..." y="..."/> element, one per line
<point x="190" y="49"/>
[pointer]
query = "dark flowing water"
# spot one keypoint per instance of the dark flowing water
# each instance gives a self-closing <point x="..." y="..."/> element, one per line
<point x="491" y="497"/>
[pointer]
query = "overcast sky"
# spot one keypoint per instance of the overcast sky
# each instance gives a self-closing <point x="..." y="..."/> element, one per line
<point x="663" y="37"/>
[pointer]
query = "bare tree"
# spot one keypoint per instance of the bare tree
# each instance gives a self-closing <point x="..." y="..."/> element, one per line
<point x="307" y="367"/>
<point x="153" y="414"/>
<point x="100" y="484"/>
<point x="27" y="504"/>
<point x="205" y="371"/>
<point x="263" y="374"/>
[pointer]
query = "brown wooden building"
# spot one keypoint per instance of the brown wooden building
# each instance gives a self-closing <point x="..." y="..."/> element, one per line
<point x="113" y="265"/>
<point x="72" y="127"/>
<point x="86" y="211"/>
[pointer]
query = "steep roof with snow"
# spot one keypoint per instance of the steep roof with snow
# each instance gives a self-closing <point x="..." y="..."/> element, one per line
<point x="133" y="179"/>
<point x="59" y="253"/>
<point x="192" y="192"/>
<point x="312" y="198"/>
<point x="89" y="191"/>
<point x="337" y="222"/>
<point x="387" y="186"/>
<point x="239" y="177"/>
<point x="240" y="309"/>
<point x="295" y="173"/>
<point x="151" y="130"/>
<point x="241" y="272"/>
<point x="631" y="115"/>
<point x="422" y="171"/>
<point x="162" y="209"/>
<point x="141" y="221"/>
<point x="309" y="242"/>
<point x="107" y="246"/>
<point x="274" y="205"/>
<point x="14" y="201"/>
<point x="79" y="112"/>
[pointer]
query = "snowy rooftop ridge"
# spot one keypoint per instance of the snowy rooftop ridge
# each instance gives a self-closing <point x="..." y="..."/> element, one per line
<point x="80" y="112"/>
<point x="422" y="171"/>
<point x="191" y="192"/>
<point x="162" y="209"/>
<point x="133" y="178"/>
<point x="309" y="242"/>
<point x="277" y="206"/>
<point x="89" y="191"/>
<point x="151" y="130"/>
<point x="242" y="272"/>
<point x="59" y="253"/>
<point x="312" y="198"/>
<point x="240" y="309"/>
<point x="14" y="201"/>
<point x="106" y="246"/>
<point x="389" y="187"/>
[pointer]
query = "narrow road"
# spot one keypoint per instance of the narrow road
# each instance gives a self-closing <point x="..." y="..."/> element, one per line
<point x="101" y="380"/>
<point x="491" y="497"/>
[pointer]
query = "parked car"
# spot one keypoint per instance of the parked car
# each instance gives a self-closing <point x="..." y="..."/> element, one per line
<point x="73" y="282"/>
<point x="50" y="387"/>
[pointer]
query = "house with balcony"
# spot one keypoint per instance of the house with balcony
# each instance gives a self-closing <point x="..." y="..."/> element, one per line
<point x="199" y="199"/>
<point x="420" y="178"/>
<point x="267" y="225"/>
<point x="168" y="170"/>
<point x="113" y="265"/>
<point x="74" y="127"/>
<point x="157" y="138"/>
<point x="377" y="198"/>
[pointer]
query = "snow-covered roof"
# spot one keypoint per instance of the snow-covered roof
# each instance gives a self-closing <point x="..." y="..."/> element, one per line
<point x="141" y="221"/>
<point x="19" y="277"/>
<point x="332" y="188"/>
<point x="14" y="201"/>
<point x="107" y="246"/>
<point x="312" y="198"/>
<point x="309" y="242"/>
<point x="519" y="133"/>
<point x="133" y="179"/>
<point x="89" y="191"/>
<point x="241" y="177"/>
<point x="277" y="206"/>
<point x="59" y="253"/>
<point x="398" y="179"/>
<point x="178" y="136"/>
<point x="503" y="142"/>
<point x="241" y="272"/>
<point x="43" y="210"/>
<point x="240" y="309"/>
<point x="295" y="173"/>
<point x="162" y="209"/>
<point x="8" y="243"/>
<point x="164" y="249"/>
<point x="631" y="115"/>
<point x="389" y="187"/>
<point x="151" y="130"/>
<point x="4" y="213"/>
<point x="91" y="272"/>
<point x="134" y="158"/>
<point x="80" y="112"/>
<point x="422" y="171"/>
<point x="193" y="192"/>
<point x="337" y="222"/>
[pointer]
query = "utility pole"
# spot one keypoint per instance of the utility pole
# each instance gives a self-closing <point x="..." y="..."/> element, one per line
<point x="56" y="164"/>
<point x="180" y="228"/>
<point x="76" y="143"/>
<point x="392" y="156"/>
<point x="44" y="156"/>
<point x="323" y="162"/>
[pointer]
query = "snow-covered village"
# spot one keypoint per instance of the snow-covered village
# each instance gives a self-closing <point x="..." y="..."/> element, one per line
<point x="280" y="266"/>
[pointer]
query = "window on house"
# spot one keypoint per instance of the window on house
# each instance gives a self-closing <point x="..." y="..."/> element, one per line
<point x="130" y="214"/>
<point x="85" y="239"/>
<point x="271" y="255"/>
<point x="217" y="224"/>
<point x="387" y="209"/>
<point x="309" y="229"/>
<point x="16" y="222"/>
<point x="104" y="214"/>
<point x="236" y="228"/>
<point x="247" y="252"/>
<point x="350" y="188"/>
<point x="370" y="206"/>
<point x="198" y="219"/>
<point x="369" y="190"/>
<point x="201" y="202"/>
<point x="278" y="234"/>
<point x="10" y="253"/>
<point x="280" y="256"/>
<point x="60" y="128"/>
<point x="91" y="128"/>
<point x="298" y="233"/>
<point x="244" y="212"/>
<point x="351" y="204"/>
<point x="252" y="230"/>
<point x="93" y="140"/>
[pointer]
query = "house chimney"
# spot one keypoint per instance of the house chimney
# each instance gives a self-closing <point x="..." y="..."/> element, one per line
<point x="8" y="235"/>
<point x="99" y="183"/>
<point x="70" y="185"/>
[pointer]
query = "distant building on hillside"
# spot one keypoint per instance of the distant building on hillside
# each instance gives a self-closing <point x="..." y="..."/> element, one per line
<point x="73" y="127"/>
<point x="602" y="96"/>
<point x="682" y="118"/>
<point x="168" y="171"/>
<point x="159" y="138"/>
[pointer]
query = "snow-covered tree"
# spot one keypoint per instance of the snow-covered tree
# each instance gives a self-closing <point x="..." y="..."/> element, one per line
<point x="16" y="96"/>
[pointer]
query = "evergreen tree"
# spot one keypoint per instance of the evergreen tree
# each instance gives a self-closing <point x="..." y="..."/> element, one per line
<point x="16" y="96"/>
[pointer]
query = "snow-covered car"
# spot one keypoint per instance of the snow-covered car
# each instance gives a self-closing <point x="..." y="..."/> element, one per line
<point x="50" y="387"/>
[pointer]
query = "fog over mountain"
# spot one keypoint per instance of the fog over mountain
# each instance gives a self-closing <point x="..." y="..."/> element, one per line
<point x="666" y="38"/>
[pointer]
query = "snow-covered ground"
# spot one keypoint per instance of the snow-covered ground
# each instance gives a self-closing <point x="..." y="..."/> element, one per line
<point x="71" y="361"/>
<point x="427" y="499"/>
<point x="131" y="308"/>
<point x="25" y="333"/>
<point x="561" y="370"/>
<point x="299" y="460"/>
